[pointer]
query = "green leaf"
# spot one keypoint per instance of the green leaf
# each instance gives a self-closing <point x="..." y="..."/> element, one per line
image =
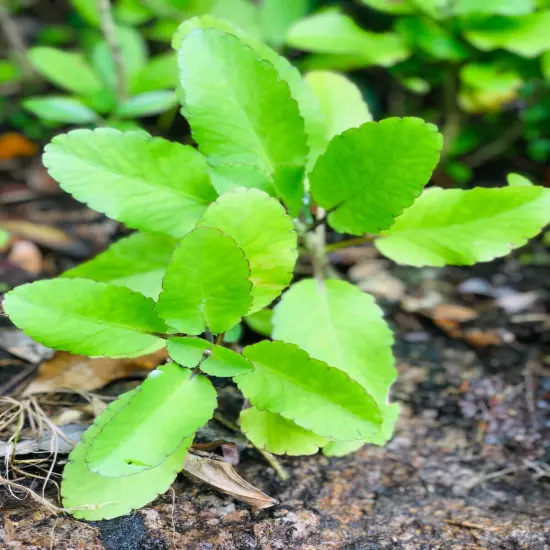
<point x="147" y="183"/>
<point x="133" y="51"/>
<point x="493" y="7"/>
<point x="225" y="363"/>
<point x="331" y="32"/>
<point x="187" y="351"/>
<point x="271" y="252"/>
<point x="277" y="435"/>
<point x="92" y="497"/>
<point x="65" y="110"/>
<point x="89" y="11"/>
<point x="456" y="227"/>
<point x="517" y="180"/>
<point x="147" y="104"/>
<point x="132" y="12"/>
<point x="169" y="406"/>
<point x="525" y="35"/>
<point x="67" y="70"/>
<point x="488" y="86"/>
<point x="392" y="6"/>
<point x="336" y="322"/>
<point x="86" y="317"/>
<point x="369" y="175"/>
<point x="160" y="73"/>
<point x="137" y="262"/>
<point x="206" y="286"/>
<point x="277" y="16"/>
<point x="4" y="238"/>
<point x="226" y="177"/>
<point x="341" y="101"/>
<point x="261" y="322"/>
<point x="299" y="90"/>
<point x="230" y="120"/>
<point x="427" y="35"/>
<point x="323" y="399"/>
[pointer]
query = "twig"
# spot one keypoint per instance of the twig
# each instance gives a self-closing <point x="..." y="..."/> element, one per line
<point x="466" y="524"/>
<point x="274" y="463"/>
<point x="15" y="42"/>
<point x="451" y="126"/>
<point x="350" y="242"/>
<point x="109" y="32"/>
<point x="495" y="148"/>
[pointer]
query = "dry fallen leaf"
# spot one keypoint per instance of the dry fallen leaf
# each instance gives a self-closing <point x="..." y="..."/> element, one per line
<point x="16" y="145"/>
<point x="47" y="236"/>
<point x="373" y="276"/>
<point x="66" y="370"/>
<point x="17" y="343"/>
<point x="220" y="474"/>
<point x="26" y="255"/>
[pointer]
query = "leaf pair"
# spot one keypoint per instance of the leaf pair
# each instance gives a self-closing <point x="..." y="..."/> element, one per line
<point x="227" y="267"/>
<point x="334" y="322"/>
<point x="135" y="449"/>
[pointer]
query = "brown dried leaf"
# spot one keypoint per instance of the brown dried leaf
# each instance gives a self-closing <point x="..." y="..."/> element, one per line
<point x="16" y="145"/>
<point x="26" y="255"/>
<point x="79" y="372"/>
<point x="452" y="312"/>
<point x="220" y="474"/>
<point x="47" y="236"/>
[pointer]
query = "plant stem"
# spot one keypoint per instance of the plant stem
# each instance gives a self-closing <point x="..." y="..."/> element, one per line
<point x="315" y="243"/>
<point x="272" y="460"/>
<point x="15" y="42"/>
<point x="495" y="148"/>
<point x="451" y="126"/>
<point x="350" y="242"/>
<point x="219" y="339"/>
<point x="109" y="32"/>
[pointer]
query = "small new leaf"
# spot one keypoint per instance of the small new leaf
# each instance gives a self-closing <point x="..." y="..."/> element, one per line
<point x="86" y="317"/>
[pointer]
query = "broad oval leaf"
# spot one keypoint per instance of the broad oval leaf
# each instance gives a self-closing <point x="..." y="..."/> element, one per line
<point x="86" y="317"/>
<point x="341" y="101"/>
<point x="336" y="322"/>
<point x="147" y="183"/>
<point x="225" y="362"/>
<point x="300" y="92"/>
<point x="317" y="397"/>
<point x="169" y="406"/>
<point x="137" y="262"/>
<point x="67" y="70"/>
<point x="271" y="251"/>
<point x="456" y="227"/>
<point x="93" y="497"/>
<point x="369" y="175"/>
<point x="239" y="111"/>
<point x="278" y="435"/>
<point x="206" y="286"/>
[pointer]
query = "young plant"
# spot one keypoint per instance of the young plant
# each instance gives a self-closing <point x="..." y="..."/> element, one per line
<point x="278" y="157"/>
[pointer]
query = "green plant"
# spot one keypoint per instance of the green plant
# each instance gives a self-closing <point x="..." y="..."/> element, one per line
<point x="220" y="231"/>
<point x="477" y="57"/>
